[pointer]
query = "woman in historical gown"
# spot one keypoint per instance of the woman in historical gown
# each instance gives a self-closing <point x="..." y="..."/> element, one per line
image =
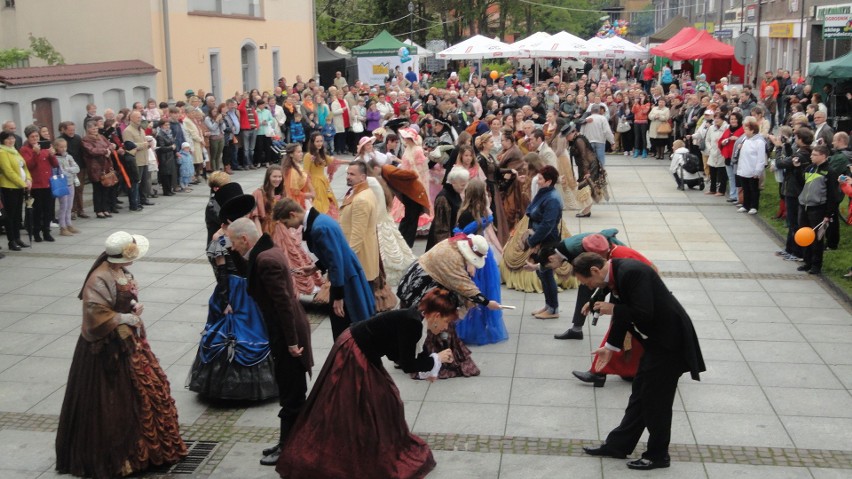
<point x="316" y="162"/>
<point x="353" y="423"/>
<point x="567" y="182"/>
<point x="233" y="360"/>
<point x="592" y="181"/>
<point x="296" y="184"/>
<point x="450" y="265"/>
<point x="447" y="205"/>
<point x="413" y="158"/>
<point x="481" y="325"/>
<point x="118" y="416"/>
<point x="493" y="179"/>
<point x="515" y="255"/>
<point x="394" y="252"/>
<point x="288" y="240"/>
<point x="515" y="196"/>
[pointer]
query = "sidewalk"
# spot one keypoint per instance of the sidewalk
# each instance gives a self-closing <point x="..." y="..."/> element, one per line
<point x="774" y="403"/>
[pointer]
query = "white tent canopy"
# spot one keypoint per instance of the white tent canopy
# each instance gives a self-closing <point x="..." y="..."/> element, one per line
<point x="561" y="45"/>
<point x="477" y="47"/>
<point x="421" y="52"/>
<point x="617" y="47"/>
<point x="523" y="46"/>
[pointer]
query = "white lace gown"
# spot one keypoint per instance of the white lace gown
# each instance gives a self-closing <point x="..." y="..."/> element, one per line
<point x="395" y="253"/>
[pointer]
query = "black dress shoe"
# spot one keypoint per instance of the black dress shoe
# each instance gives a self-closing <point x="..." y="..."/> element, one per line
<point x="272" y="449"/>
<point x="603" y="451"/>
<point x="578" y="215"/>
<point x="119" y="202"/>
<point x="589" y="377"/>
<point x="271" y="459"/>
<point x="22" y="244"/>
<point x="570" y="334"/>
<point x="48" y="238"/>
<point x="14" y="247"/>
<point x="37" y="238"/>
<point x="647" y="464"/>
<point x="148" y="203"/>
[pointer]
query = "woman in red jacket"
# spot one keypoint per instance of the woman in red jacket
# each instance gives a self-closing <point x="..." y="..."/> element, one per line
<point x="40" y="163"/>
<point x="640" y="125"/>
<point x="726" y="147"/>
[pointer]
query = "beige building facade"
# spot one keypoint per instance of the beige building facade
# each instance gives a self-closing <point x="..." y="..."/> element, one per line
<point x="219" y="45"/>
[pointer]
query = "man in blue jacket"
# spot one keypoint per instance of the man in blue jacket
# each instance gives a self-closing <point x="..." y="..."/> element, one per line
<point x="351" y="297"/>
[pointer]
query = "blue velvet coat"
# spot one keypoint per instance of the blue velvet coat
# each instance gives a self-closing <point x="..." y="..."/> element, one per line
<point x="326" y="241"/>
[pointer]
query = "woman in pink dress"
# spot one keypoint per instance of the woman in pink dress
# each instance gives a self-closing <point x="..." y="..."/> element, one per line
<point x="289" y="240"/>
<point x="413" y="158"/>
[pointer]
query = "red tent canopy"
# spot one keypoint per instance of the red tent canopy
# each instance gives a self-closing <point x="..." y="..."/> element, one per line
<point x="679" y="39"/>
<point x="702" y="47"/>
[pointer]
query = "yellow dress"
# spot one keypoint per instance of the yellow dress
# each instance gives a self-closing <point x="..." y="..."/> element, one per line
<point x="514" y="256"/>
<point x="325" y="202"/>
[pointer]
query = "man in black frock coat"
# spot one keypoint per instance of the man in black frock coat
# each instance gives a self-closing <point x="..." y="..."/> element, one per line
<point x="270" y="285"/>
<point x="645" y="307"/>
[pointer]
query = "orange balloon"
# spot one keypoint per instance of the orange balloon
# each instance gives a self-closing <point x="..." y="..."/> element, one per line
<point x="804" y="237"/>
<point x="494" y="74"/>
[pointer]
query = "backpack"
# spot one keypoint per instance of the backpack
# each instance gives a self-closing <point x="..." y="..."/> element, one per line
<point x="691" y="163"/>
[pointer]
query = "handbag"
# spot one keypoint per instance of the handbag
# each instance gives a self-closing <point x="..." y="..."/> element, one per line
<point x="623" y="126"/>
<point x="664" y="128"/>
<point x="109" y="180"/>
<point x="59" y="184"/>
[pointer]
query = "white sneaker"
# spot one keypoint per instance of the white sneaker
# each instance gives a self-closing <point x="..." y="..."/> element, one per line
<point x="752" y="211"/>
<point x="741" y="210"/>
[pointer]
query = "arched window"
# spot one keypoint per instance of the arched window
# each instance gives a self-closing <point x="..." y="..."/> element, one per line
<point x="248" y="62"/>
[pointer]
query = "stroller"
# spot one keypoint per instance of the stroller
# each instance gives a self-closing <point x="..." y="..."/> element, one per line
<point x="279" y="147"/>
<point x="688" y="170"/>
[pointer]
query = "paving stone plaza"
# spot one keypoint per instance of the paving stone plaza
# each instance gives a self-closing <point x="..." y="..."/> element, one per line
<point x="774" y="403"/>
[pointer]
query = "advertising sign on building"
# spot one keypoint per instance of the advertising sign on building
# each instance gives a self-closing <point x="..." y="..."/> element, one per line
<point x="837" y="26"/>
<point x="724" y="33"/>
<point x="821" y="12"/>
<point x="781" y="30"/>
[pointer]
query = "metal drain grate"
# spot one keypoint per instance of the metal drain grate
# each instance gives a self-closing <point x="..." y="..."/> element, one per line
<point x="198" y="454"/>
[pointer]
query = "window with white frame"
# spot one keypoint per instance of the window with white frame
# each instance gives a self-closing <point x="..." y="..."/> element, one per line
<point x="245" y="8"/>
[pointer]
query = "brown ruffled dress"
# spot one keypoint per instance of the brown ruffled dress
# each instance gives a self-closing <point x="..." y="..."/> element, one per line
<point x="118" y="416"/>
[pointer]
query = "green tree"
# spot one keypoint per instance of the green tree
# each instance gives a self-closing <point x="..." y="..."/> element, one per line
<point x="13" y="57"/>
<point x="40" y="47"/>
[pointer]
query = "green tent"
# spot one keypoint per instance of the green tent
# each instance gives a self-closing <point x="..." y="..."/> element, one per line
<point x="836" y="71"/>
<point x="384" y="45"/>
<point x="833" y="69"/>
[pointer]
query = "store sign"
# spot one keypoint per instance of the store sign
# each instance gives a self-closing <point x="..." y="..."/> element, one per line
<point x="821" y="12"/>
<point x="781" y="30"/>
<point x="709" y="26"/>
<point x="724" y="33"/>
<point x="836" y="26"/>
<point x="751" y="13"/>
